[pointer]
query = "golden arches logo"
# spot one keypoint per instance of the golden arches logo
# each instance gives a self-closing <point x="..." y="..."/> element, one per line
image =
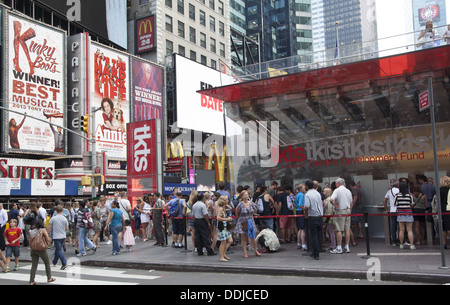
<point x="175" y="150"/>
<point x="147" y="25"/>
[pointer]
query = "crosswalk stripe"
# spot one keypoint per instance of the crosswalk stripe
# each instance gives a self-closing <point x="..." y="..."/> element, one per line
<point x="73" y="276"/>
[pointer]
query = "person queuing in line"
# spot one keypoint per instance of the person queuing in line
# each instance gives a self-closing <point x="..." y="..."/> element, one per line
<point x="341" y="199"/>
<point x="157" y="211"/>
<point x="176" y="209"/>
<point x="300" y="220"/>
<point x="404" y="202"/>
<point x="328" y="221"/>
<point x="202" y="227"/>
<point x="245" y="225"/>
<point x="223" y="228"/>
<point x="188" y="213"/>
<point x="314" y="212"/>
<point x="145" y="210"/>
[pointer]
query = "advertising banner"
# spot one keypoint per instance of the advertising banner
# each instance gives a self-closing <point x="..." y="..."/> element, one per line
<point x="145" y="35"/>
<point x="147" y="91"/>
<point x="109" y="90"/>
<point x="196" y="111"/>
<point x="35" y="64"/>
<point x="144" y="158"/>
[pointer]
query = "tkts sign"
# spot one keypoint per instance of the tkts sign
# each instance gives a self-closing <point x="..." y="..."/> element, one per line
<point x="144" y="157"/>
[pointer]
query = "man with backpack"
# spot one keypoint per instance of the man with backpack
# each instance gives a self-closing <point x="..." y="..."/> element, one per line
<point x="84" y="224"/>
<point x="176" y="208"/>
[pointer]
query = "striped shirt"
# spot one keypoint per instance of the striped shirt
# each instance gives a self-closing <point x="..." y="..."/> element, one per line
<point x="404" y="203"/>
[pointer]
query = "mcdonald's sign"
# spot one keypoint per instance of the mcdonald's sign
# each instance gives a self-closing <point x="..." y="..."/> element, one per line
<point x="145" y="34"/>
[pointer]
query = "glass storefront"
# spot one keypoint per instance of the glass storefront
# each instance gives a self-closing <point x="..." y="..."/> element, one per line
<point x="359" y="121"/>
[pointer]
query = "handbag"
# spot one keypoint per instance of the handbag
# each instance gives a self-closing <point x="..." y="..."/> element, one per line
<point x="39" y="242"/>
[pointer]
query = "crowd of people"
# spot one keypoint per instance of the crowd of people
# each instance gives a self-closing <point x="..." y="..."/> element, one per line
<point x="261" y="220"/>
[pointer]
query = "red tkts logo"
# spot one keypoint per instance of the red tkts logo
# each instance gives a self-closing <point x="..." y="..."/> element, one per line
<point x="288" y="155"/>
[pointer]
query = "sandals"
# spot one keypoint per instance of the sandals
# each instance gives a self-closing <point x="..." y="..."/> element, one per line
<point x="51" y="280"/>
<point x="257" y="253"/>
<point x="246" y="255"/>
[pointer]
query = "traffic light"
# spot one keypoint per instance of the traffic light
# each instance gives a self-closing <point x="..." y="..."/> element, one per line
<point x="85" y="123"/>
<point x="98" y="180"/>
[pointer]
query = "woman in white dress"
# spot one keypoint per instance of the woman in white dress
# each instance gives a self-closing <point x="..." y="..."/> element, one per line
<point x="145" y="210"/>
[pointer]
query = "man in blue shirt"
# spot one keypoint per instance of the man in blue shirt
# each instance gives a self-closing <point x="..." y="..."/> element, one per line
<point x="300" y="220"/>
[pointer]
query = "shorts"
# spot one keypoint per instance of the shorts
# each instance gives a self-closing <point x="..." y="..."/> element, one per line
<point x="300" y="221"/>
<point x="10" y="250"/>
<point x="342" y="224"/>
<point x="178" y="226"/>
<point x="285" y="222"/>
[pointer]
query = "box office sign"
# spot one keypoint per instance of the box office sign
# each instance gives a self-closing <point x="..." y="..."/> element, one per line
<point x="35" y="65"/>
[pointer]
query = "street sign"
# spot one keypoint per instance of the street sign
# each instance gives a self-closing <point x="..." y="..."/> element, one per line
<point x="424" y="101"/>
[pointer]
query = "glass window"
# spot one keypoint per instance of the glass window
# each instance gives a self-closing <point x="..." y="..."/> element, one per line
<point x="169" y="3"/>
<point x="202" y="18"/>
<point x="193" y="55"/>
<point x="203" y="40"/>
<point x="181" y="6"/>
<point x="222" y="49"/>
<point x="212" y="4"/>
<point x="192" y="35"/>
<point x="169" y="25"/>
<point x="169" y="47"/>
<point x="181" y="29"/>
<point x="191" y="12"/>
<point x="181" y="50"/>
<point x="212" y="23"/>
<point x="221" y="10"/>
<point x="221" y="28"/>
<point x="203" y="60"/>
<point x="213" y="45"/>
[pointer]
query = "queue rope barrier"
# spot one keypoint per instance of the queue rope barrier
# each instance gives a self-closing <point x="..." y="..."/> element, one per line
<point x="365" y="215"/>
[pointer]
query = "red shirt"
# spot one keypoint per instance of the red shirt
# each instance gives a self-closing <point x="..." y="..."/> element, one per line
<point x="13" y="234"/>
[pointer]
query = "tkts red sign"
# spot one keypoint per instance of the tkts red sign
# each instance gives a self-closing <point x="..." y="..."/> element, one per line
<point x="141" y="160"/>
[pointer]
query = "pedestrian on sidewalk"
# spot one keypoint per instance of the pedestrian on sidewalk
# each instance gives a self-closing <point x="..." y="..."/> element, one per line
<point x="314" y="212"/>
<point x="128" y="237"/>
<point x="245" y="225"/>
<point x="42" y="254"/>
<point x="58" y="226"/>
<point x="145" y="210"/>
<point x="202" y="227"/>
<point x="176" y="208"/>
<point x="84" y="225"/>
<point x="12" y="240"/>
<point x="115" y="225"/>
<point x="342" y="199"/>
<point x="329" y="211"/>
<point x="223" y="228"/>
<point x="404" y="202"/>
<point x="157" y="211"/>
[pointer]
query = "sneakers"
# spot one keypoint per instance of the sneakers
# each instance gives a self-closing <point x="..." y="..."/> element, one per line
<point x="336" y="251"/>
<point x="16" y="267"/>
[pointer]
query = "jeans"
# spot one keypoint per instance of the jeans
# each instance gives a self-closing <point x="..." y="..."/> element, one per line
<point x="84" y="241"/>
<point x="115" y="230"/>
<point x="268" y="222"/>
<point x="58" y="252"/>
<point x="394" y="226"/>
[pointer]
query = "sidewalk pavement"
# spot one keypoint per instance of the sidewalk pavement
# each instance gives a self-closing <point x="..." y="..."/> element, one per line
<point x="422" y="265"/>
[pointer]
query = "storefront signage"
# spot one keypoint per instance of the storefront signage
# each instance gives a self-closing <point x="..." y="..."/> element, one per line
<point x="424" y="101"/>
<point x="145" y="34"/>
<point x="27" y="169"/>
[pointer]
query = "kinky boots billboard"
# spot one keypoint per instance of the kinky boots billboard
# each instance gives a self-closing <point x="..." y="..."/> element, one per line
<point x="35" y="85"/>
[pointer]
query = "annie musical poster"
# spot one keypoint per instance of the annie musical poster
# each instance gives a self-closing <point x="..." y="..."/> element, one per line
<point x="109" y="87"/>
<point x="36" y="86"/>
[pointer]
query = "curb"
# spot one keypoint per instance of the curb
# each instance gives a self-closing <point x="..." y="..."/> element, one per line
<point x="329" y="273"/>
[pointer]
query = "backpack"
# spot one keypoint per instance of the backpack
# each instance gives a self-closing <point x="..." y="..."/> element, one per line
<point x="174" y="209"/>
